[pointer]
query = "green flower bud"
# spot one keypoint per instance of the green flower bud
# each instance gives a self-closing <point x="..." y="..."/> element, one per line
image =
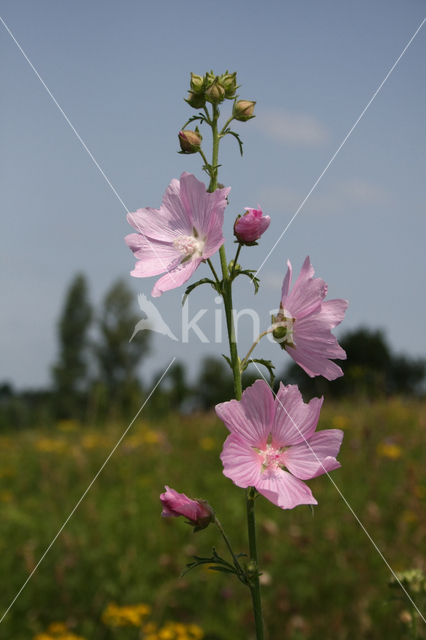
<point x="229" y="82"/>
<point x="196" y="100"/>
<point x="215" y="93"/>
<point x="190" y="141"/>
<point x="197" y="83"/>
<point x="209" y="78"/>
<point x="243" y="110"/>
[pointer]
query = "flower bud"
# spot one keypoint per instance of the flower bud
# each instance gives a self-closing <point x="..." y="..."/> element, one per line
<point x="243" y="110"/>
<point x="209" y="78"/>
<point x="229" y="82"/>
<point x="215" y="92"/>
<point x="251" y="225"/>
<point x="196" y="100"/>
<point x="198" y="513"/>
<point x="197" y="83"/>
<point x="190" y="141"/>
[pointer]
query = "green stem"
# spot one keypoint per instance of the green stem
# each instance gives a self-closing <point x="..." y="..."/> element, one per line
<point x="255" y="343"/>
<point x="235" y="260"/>
<point x="216" y="277"/>
<point x="226" y="125"/>
<point x="230" y="549"/>
<point x="254" y="578"/>
<point x="236" y="369"/>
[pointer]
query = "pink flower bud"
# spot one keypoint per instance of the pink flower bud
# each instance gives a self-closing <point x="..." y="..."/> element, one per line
<point x="251" y="225"/>
<point x="197" y="512"/>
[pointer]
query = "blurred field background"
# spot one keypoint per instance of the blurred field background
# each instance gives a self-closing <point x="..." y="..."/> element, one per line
<point x="322" y="578"/>
<point x="115" y="570"/>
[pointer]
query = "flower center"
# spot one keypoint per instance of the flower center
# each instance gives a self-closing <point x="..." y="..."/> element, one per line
<point x="271" y="457"/>
<point x="283" y="329"/>
<point x="190" y="247"/>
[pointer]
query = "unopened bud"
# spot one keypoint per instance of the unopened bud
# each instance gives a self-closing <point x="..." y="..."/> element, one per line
<point x="198" y="513"/>
<point x="209" y="78"/>
<point x="251" y="225"/>
<point x="197" y="83"/>
<point x="229" y="82"/>
<point x="243" y="110"/>
<point x="195" y="100"/>
<point x="215" y="93"/>
<point x="190" y="141"/>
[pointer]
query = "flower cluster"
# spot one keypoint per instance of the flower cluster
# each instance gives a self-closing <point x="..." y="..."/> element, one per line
<point x="266" y="434"/>
<point x="125" y="616"/>
<point x="172" y="631"/>
<point x="57" y="631"/>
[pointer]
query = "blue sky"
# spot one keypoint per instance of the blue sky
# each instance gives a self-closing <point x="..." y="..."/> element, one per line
<point x="120" y="72"/>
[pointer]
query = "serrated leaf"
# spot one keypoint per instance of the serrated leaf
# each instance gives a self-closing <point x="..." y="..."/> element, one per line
<point x="223" y="569"/>
<point x="249" y="273"/>
<point x="199" y="117"/>
<point x="193" y="286"/>
<point x="237" y="137"/>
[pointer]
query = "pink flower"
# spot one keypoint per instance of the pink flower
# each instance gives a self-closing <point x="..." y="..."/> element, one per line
<point x="304" y="323"/>
<point x="269" y="434"/>
<point x="175" y="238"/>
<point x="251" y="225"/>
<point x="197" y="512"/>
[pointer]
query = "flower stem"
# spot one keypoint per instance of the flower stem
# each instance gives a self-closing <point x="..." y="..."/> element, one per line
<point x="254" y="581"/>
<point x="253" y="572"/>
<point x="230" y="549"/>
<point x="235" y="260"/>
<point x="216" y="277"/>
<point x="255" y="343"/>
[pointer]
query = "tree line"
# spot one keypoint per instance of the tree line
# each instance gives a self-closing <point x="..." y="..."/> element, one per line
<point x="96" y="373"/>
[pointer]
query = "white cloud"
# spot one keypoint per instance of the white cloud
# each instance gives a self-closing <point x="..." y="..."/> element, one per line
<point x="338" y="198"/>
<point x="297" y="129"/>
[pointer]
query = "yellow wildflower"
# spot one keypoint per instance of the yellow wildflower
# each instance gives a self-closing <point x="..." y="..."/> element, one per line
<point x="389" y="450"/>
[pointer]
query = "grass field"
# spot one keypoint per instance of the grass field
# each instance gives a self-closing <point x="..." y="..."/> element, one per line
<point x="322" y="577"/>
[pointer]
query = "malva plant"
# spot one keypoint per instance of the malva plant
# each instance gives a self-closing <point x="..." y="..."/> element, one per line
<point x="273" y="446"/>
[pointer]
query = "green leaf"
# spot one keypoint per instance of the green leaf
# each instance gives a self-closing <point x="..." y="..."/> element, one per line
<point x="265" y="363"/>
<point x="250" y="274"/>
<point x="237" y="137"/>
<point x="200" y="117"/>
<point x="193" y="286"/>
<point x="228" y="360"/>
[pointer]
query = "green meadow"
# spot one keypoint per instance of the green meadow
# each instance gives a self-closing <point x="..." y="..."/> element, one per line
<point x="322" y="577"/>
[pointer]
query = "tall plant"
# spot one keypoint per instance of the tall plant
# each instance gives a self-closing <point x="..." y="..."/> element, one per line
<point x="273" y="445"/>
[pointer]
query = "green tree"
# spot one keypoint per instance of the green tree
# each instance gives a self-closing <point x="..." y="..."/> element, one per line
<point x="118" y="356"/>
<point x="70" y="373"/>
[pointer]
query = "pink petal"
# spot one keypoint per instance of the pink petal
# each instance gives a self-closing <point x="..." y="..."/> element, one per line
<point x="153" y="257"/>
<point x="240" y="462"/>
<point x="159" y="224"/>
<point x="214" y="241"/>
<point x="333" y="311"/>
<point x="286" y="283"/>
<point x="252" y="416"/>
<point x="200" y="204"/>
<point x="295" y="421"/>
<point x="317" y="456"/>
<point x="284" y="490"/>
<point x="175" y="277"/>
<point x="307" y="293"/>
<point x="179" y="216"/>
<point x="314" y="364"/>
